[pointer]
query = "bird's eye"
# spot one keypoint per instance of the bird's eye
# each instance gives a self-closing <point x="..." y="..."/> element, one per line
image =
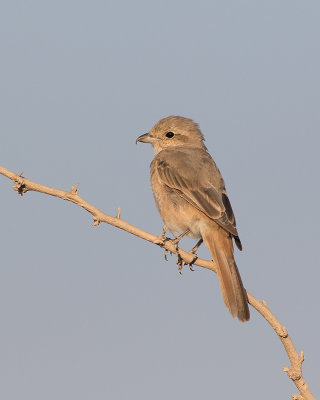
<point x="169" y="135"/>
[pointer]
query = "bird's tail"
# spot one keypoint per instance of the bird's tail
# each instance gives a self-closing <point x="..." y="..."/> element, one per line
<point x="234" y="295"/>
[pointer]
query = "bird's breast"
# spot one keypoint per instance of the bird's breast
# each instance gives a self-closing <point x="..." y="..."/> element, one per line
<point x="177" y="214"/>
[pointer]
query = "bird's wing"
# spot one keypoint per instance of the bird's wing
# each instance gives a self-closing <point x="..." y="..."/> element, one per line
<point x="195" y="177"/>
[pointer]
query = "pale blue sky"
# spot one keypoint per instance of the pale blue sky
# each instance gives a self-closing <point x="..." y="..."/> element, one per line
<point x="95" y="313"/>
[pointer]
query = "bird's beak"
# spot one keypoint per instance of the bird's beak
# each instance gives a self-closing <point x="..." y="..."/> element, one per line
<point x="146" y="138"/>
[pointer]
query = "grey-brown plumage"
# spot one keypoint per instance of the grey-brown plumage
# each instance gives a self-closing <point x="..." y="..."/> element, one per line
<point x="190" y="194"/>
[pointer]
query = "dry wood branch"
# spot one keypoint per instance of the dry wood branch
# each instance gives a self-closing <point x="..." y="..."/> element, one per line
<point x="294" y="372"/>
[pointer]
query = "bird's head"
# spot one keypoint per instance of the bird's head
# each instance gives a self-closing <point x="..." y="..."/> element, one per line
<point x="173" y="131"/>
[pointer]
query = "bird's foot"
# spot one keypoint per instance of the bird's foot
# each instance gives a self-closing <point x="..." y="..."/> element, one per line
<point x="190" y="267"/>
<point x="176" y="241"/>
<point x="160" y="240"/>
<point x="193" y="251"/>
<point x="181" y="263"/>
<point x="165" y="254"/>
<point x="193" y="261"/>
<point x="195" y="248"/>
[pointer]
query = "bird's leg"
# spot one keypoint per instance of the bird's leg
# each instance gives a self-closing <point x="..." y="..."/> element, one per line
<point x="195" y="248"/>
<point x="161" y="240"/>
<point x="194" y="251"/>
<point x="178" y="238"/>
<point x="176" y="241"/>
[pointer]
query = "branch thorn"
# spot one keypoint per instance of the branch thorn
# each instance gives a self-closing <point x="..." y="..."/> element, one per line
<point x="281" y="331"/>
<point x="96" y="221"/>
<point x="74" y="189"/>
<point x="118" y="213"/>
<point x="294" y="375"/>
<point x="301" y="357"/>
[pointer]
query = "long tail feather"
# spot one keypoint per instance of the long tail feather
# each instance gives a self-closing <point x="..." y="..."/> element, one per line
<point x="234" y="295"/>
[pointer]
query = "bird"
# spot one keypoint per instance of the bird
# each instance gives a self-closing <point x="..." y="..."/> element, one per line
<point x="192" y="200"/>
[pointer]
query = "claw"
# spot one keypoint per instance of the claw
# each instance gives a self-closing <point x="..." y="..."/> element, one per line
<point x="193" y="261"/>
<point x="181" y="264"/>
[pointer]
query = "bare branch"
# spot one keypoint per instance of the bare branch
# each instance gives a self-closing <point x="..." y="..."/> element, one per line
<point x="294" y="372"/>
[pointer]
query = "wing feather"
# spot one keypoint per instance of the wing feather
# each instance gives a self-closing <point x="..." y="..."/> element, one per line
<point x="200" y="184"/>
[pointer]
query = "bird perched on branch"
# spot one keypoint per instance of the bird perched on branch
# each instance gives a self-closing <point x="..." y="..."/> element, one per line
<point x="190" y="194"/>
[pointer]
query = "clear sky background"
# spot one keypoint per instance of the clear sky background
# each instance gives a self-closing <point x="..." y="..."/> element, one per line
<point x="95" y="313"/>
